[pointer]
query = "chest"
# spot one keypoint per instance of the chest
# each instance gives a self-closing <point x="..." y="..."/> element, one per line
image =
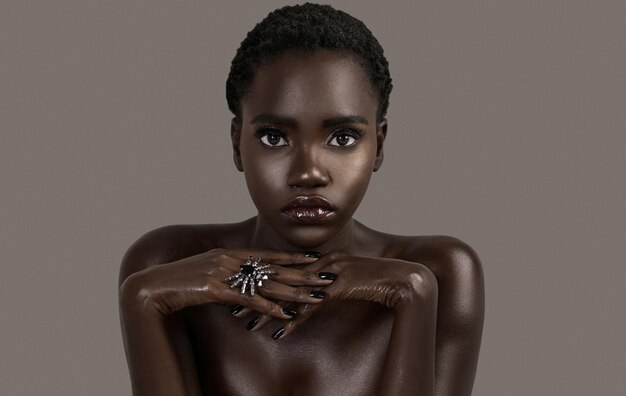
<point x="340" y="350"/>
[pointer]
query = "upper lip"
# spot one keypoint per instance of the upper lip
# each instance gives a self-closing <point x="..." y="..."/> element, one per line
<point x="311" y="201"/>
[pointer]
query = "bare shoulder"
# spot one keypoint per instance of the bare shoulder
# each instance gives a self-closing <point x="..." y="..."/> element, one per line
<point x="460" y="308"/>
<point x="444" y="255"/>
<point x="161" y="245"/>
<point x="455" y="264"/>
<point x="175" y="242"/>
<point x="460" y="279"/>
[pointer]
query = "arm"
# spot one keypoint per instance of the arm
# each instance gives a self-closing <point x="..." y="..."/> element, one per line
<point x="158" y="350"/>
<point x="460" y="312"/>
<point x="410" y="362"/>
<point x="407" y="288"/>
<point x="439" y="315"/>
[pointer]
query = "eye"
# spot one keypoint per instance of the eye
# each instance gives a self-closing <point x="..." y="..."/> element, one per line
<point x="272" y="137"/>
<point x="344" y="138"/>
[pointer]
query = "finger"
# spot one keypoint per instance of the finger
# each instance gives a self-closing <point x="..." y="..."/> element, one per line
<point x="256" y="302"/>
<point x="298" y="277"/>
<point x="240" y="311"/>
<point x="265" y="319"/>
<point x="275" y="256"/>
<point x="278" y="291"/>
<point x="303" y="313"/>
<point x="324" y="262"/>
<point x="258" y="322"/>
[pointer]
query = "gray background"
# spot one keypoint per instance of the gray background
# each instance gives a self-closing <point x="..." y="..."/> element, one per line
<point x="507" y="130"/>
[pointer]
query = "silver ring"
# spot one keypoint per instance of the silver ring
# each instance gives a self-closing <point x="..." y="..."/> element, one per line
<point x="252" y="274"/>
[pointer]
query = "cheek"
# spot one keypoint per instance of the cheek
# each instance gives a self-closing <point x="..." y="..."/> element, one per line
<point x="358" y="166"/>
<point x="265" y="175"/>
<point x="353" y="172"/>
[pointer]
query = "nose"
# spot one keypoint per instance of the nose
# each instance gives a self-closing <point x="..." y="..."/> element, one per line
<point x="307" y="170"/>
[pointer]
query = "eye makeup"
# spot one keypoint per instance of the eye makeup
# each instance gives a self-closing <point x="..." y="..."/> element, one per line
<point x="351" y="132"/>
<point x="272" y="136"/>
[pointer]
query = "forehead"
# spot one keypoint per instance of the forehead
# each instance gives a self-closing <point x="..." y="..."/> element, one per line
<point x="318" y="84"/>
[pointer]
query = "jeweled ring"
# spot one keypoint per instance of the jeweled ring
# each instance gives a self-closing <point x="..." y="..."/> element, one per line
<point x="252" y="274"/>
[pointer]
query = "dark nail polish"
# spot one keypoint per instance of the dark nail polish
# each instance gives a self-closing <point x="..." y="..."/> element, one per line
<point x="317" y="294"/>
<point x="252" y="323"/>
<point x="327" y="275"/>
<point x="278" y="333"/>
<point x="290" y="311"/>
<point x="312" y="254"/>
<point x="236" y="309"/>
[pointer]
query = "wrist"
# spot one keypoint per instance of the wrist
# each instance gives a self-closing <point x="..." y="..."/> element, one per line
<point x="417" y="287"/>
<point x="136" y="295"/>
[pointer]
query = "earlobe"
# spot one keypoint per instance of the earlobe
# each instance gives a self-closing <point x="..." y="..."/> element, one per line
<point x="235" y="136"/>
<point x="381" y="134"/>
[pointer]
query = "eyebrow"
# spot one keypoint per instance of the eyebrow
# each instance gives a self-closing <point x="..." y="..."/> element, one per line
<point x="275" y="119"/>
<point x="351" y="119"/>
<point x="292" y="123"/>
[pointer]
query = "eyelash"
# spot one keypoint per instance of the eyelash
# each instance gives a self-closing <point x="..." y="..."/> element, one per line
<point x="261" y="132"/>
<point x="353" y="132"/>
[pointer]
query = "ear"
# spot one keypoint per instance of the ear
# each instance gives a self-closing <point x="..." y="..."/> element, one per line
<point x="381" y="134"/>
<point x="235" y="136"/>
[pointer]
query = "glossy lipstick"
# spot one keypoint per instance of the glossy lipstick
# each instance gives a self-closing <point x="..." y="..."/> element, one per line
<point x="308" y="209"/>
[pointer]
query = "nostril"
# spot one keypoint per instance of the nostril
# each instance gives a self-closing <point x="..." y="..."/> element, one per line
<point x="307" y="167"/>
<point x="309" y="182"/>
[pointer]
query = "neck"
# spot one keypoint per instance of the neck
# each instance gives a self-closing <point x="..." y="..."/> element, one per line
<point x="264" y="237"/>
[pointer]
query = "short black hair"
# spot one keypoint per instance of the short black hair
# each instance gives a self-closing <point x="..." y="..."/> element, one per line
<point x="308" y="27"/>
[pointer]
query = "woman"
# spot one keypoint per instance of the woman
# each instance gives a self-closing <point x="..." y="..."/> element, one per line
<point x="320" y="303"/>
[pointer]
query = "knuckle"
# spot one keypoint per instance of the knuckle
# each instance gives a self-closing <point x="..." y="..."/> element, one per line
<point x="218" y="254"/>
<point x="217" y="251"/>
<point x="268" y="285"/>
<point x="299" y="293"/>
<point x="275" y="269"/>
<point x="334" y="256"/>
<point x="290" y="326"/>
<point x="332" y="268"/>
<point x="274" y="309"/>
<point x="214" y="271"/>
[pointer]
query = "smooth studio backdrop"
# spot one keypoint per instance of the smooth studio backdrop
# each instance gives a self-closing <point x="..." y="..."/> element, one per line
<point x="507" y="129"/>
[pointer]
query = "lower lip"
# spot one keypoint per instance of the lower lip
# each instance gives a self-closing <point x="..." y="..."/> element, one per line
<point x="309" y="215"/>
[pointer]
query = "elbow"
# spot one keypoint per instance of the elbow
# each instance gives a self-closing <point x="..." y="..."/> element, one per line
<point x="419" y="286"/>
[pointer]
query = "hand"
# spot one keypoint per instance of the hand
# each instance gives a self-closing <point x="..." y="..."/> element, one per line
<point x="390" y="282"/>
<point x="199" y="280"/>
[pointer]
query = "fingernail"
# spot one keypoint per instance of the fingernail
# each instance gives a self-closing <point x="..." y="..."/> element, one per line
<point x="312" y="254"/>
<point x="236" y="309"/>
<point x="290" y="312"/>
<point x="278" y="333"/>
<point x="327" y="275"/>
<point x="317" y="294"/>
<point x="252" y="323"/>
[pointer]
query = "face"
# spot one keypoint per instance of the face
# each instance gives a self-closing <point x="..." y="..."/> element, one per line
<point x="308" y="142"/>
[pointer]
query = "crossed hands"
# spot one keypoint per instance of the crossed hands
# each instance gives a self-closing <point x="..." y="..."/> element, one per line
<point x="299" y="284"/>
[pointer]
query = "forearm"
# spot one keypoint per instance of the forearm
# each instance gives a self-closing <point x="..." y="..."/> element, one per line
<point x="151" y="350"/>
<point x="458" y="345"/>
<point x="410" y="363"/>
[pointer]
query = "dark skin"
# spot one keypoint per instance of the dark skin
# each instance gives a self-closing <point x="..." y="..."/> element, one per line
<point x="403" y="316"/>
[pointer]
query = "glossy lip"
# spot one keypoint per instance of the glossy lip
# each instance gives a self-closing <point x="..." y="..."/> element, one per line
<point x="308" y="209"/>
